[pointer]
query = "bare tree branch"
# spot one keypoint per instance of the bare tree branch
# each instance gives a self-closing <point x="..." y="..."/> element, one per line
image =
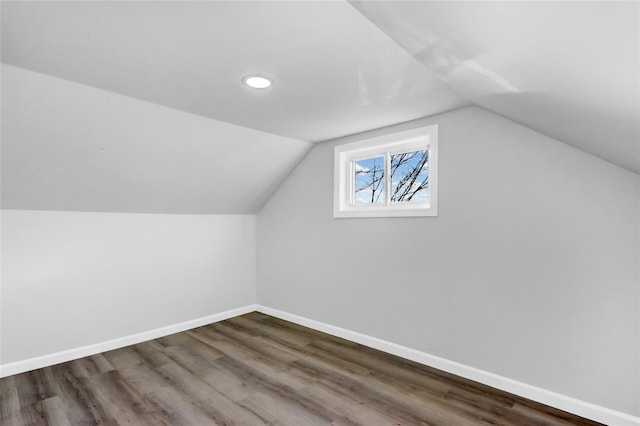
<point x="411" y="183"/>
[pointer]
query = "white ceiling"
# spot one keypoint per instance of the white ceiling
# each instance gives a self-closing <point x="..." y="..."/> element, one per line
<point x="566" y="69"/>
<point x="335" y="72"/>
<point x="569" y="69"/>
<point x="67" y="146"/>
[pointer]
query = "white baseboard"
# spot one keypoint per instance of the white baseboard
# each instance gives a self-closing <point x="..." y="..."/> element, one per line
<point x="553" y="399"/>
<point x="71" y="354"/>
<point x="562" y="402"/>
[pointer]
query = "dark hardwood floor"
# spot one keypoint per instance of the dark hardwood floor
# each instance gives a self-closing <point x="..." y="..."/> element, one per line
<point x="254" y="370"/>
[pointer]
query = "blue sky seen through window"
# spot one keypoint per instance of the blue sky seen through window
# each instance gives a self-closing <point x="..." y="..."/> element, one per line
<point x="369" y="181"/>
<point x="409" y="179"/>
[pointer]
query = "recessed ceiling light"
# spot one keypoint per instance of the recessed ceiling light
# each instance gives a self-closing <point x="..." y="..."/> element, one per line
<point x="257" y="81"/>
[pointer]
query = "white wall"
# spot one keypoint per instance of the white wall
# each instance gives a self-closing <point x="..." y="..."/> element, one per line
<point x="530" y="271"/>
<point x="71" y="279"/>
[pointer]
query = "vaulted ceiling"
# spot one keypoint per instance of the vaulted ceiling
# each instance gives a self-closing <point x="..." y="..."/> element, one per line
<point x="566" y="69"/>
<point x="335" y="72"/>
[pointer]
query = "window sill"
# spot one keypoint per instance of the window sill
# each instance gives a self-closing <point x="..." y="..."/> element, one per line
<point x="384" y="212"/>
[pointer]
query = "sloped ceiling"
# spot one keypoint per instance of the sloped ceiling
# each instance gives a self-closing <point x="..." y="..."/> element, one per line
<point x="335" y="72"/>
<point x="566" y="69"/>
<point x="67" y="146"/>
<point x="570" y="70"/>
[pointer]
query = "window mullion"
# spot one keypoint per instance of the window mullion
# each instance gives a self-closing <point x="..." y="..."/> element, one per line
<point x="387" y="178"/>
<point x="352" y="182"/>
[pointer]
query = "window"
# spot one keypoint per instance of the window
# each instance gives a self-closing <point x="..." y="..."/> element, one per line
<point x="393" y="175"/>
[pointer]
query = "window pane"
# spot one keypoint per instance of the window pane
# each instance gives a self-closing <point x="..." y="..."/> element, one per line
<point x="369" y="181"/>
<point x="410" y="177"/>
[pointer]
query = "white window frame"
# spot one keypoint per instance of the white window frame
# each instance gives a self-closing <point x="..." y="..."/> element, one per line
<point x="384" y="146"/>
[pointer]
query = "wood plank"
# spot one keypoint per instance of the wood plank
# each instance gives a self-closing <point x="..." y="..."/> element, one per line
<point x="125" y="403"/>
<point x="55" y="411"/>
<point x="214" y="404"/>
<point x="78" y="396"/>
<point x="9" y="399"/>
